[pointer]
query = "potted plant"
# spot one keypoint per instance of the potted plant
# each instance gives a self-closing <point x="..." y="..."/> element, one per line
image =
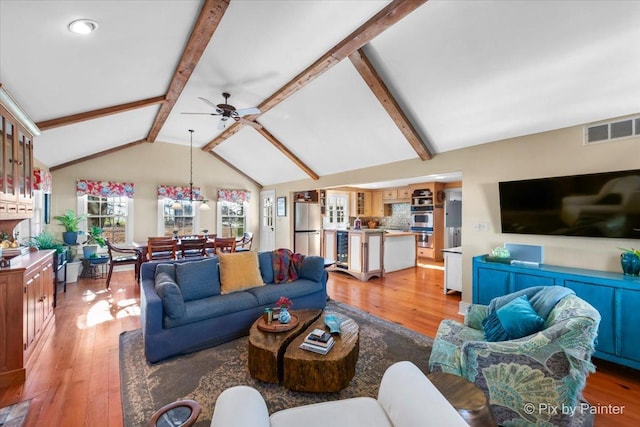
<point x="630" y="261"/>
<point x="284" y="303"/>
<point x="46" y="240"/>
<point x="71" y="223"/>
<point x="94" y="239"/>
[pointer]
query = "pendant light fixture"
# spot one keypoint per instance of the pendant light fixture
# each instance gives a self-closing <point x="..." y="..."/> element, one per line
<point x="176" y="204"/>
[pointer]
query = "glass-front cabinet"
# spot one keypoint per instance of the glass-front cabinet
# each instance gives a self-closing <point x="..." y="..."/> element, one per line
<point x="16" y="160"/>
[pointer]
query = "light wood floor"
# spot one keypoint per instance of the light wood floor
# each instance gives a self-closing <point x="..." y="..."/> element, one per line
<point x="75" y="380"/>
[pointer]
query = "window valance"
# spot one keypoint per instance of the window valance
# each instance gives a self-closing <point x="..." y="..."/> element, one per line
<point x="235" y="196"/>
<point x="42" y="180"/>
<point x="178" y="193"/>
<point x="104" y="188"/>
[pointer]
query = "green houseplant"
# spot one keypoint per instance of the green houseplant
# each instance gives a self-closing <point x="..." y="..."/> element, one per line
<point x="45" y="240"/>
<point x="71" y="223"/>
<point x="94" y="239"/>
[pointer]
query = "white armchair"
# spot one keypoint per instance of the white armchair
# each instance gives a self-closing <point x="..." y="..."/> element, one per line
<point x="406" y="399"/>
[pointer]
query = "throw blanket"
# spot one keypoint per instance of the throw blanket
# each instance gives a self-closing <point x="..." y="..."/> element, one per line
<point x="286" y="265"/>
<point x="542" y="298"/>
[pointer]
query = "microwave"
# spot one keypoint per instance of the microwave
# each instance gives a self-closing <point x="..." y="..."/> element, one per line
<point x="422" y="219"/>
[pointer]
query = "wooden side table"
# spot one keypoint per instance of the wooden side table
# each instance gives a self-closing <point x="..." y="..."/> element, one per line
<point x="470" y="402"/>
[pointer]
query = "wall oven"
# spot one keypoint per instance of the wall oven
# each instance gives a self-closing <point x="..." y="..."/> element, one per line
<point x="422" y="219"/>
<point x="425" y="239"/>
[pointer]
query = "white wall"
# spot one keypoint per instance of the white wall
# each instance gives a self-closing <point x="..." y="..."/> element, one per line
<point x="555" y="153"/>
<point x="147" y="165"/>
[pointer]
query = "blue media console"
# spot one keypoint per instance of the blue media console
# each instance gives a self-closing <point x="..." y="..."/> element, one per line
<point x="615" y="296"/>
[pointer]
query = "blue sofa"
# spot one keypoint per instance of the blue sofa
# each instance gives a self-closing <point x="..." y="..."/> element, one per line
<point x="212" y="320"/>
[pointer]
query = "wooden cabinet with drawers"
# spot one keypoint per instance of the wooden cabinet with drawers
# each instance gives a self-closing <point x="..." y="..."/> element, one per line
<point x="26" y="311"/>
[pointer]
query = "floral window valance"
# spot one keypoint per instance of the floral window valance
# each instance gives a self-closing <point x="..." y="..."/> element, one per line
<point x="178" y="193"/>
<point x="235" y="196"/>
<point x="42" y="180"/>
<point x="104" y="188"/>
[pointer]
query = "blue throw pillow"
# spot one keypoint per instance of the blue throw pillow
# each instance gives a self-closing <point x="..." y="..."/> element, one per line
<point x="169" y="292"/>
<point x="514" y="320"/>
<point x="265" y="261"/>
<point x="312" y="268"/>
<point x="169" y="269"/>
<point x="198" y="279"/>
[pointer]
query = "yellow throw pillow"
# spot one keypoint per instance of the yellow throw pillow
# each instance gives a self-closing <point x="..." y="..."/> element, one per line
<point x="239" y="271"/>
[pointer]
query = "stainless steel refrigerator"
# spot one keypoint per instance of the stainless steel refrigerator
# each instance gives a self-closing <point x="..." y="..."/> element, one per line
<point x="307" y="226"/>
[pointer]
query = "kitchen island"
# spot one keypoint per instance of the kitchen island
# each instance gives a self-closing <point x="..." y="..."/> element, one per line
<point x="452" y="269"/>
<point x="367" y="253"/>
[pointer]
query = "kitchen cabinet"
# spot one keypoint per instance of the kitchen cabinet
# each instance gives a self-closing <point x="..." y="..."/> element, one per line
<point x="615" y="296"/>
<point x="360" y="203"/>
<point x="404" y="193"/>
<point x="377" y="205"/>
<point x="357" y="252"/>
<point x="399" y="251"/>
<point x="390" y="194"/>
<point x="452" y="269"/>
<point x="365" y="254"/>
<point x="16" y="160"/>
<point x="26" y="311"/>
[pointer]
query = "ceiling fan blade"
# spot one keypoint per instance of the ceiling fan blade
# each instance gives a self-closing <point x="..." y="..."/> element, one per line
<point x="206" y="101"/>
<point x="207" y="114"/>
<point x="245" y="111"/>
<point x="249" y="123"/>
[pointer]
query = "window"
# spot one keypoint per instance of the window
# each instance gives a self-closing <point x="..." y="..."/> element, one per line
<point x="337" y="210"/>
<point x="183" y="221"/>
<point x="232" y="220"/>
<point x="108" y="205"/>
<point x="110" y="214"/>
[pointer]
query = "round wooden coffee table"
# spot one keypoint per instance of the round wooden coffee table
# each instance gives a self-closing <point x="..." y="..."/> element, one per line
<point x="267" y="348"/>
<point x="312" y="372"/>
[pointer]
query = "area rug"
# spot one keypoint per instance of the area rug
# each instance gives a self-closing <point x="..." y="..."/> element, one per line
<point x="14" y="415"/>
<point x="202" y="376"/>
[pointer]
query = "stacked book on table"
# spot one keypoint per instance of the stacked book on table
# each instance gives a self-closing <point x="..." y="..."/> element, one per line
<point x="318" y="341"/>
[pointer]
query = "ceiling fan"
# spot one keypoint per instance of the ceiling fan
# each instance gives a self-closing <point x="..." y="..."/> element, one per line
<point x="228" y="112"/>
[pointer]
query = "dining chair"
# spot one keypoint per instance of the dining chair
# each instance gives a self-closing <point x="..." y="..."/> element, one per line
<point x="245" y="243"/>
<point x="193" y="247"/>
<point x="161" y="248"/>
<point x="224" y="244"/>
<point x="123" y="256"/>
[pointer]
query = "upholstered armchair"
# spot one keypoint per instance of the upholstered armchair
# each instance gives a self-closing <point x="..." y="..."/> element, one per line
<point x="529" y="379"/>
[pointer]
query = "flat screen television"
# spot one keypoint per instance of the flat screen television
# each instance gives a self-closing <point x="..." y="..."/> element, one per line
<point x="594" y="205"/>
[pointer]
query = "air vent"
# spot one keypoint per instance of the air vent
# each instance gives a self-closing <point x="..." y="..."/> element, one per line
<point x="603" y="132"/>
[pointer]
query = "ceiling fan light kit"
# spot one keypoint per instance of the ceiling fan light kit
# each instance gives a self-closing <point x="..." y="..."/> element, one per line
<point x="228" y="111"/>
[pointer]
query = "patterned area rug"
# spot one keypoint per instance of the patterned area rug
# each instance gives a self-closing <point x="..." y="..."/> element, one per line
<point x="14" y="415"/>
<point x="202" y="376"/>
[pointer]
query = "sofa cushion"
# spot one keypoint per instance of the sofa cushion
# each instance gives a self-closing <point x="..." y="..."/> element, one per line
<point x="239" y="271"/>
<point x="269" y="294"/>
<point x="171" y="296"/>
<point x="266" y="266"/>
<point x="198" y="279"/>
<point x="207" y="308"/>
<point x="514" y="320"/>
<point x="169" y="269"/>
<point x="312" y="268"/>
<point x="357" y="411"/>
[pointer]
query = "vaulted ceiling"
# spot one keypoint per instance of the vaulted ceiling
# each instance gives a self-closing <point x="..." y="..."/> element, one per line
<point x="341" y="84"/>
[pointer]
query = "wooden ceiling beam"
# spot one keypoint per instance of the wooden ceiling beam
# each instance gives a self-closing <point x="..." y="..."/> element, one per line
<point x="217" y="156"/>
<point x="101" y="112"/>
<point x="381" y="91"/>
<point x="280" y="146"/>
<point x="388" y="16"/>
<point x="96" y="155"/>
<point x="206" y="24"/>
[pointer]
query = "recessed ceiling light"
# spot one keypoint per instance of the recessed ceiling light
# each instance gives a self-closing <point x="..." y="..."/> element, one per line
<point x="83" y="26"/>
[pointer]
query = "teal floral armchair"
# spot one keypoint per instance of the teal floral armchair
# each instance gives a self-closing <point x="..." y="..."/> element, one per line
<point x="527" y="380"/>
